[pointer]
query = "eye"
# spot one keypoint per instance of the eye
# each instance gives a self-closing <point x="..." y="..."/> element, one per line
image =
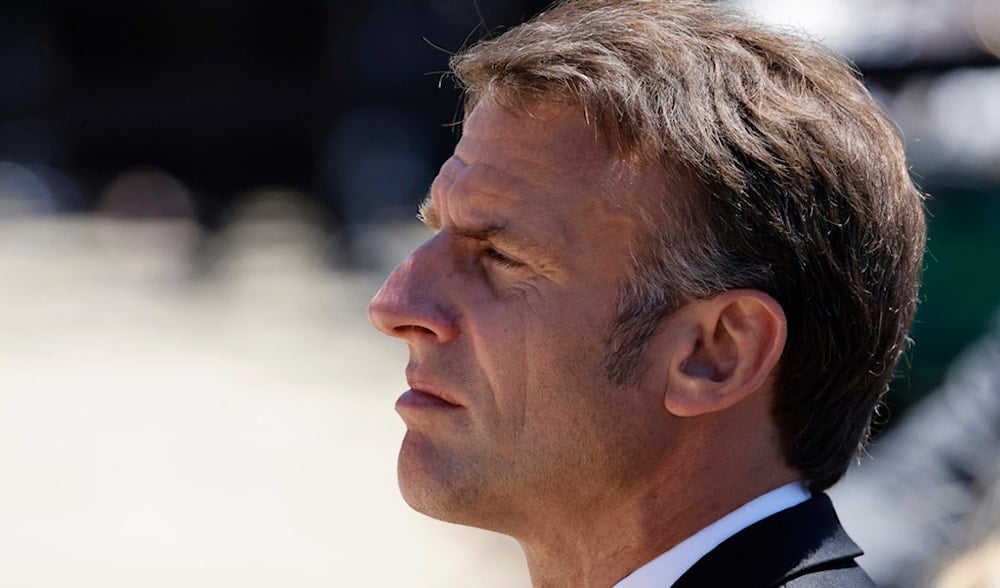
<point x="501" y="259"/>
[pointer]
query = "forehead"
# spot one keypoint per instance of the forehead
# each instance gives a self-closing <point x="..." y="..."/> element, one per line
<point x="546" y="163"/>
<point x="534" y="131"/>
<point x="545" y="140"/>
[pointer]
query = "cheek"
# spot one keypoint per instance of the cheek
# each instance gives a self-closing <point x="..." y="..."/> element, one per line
<point x="579" y="322"/>
<point x="502" y="338"/>
<point x="565" y="354"/>
<point x="535" y="351"/>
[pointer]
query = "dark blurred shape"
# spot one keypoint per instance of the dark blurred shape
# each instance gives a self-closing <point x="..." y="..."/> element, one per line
<point x="146" y="193"/>
<point x="145" y="223"/>
<point x="28" y="140"/>
<point x="267" y="232"/>
<point x="226" y="95"/>
<point x="230" y="96"/>
<point x="34" y="190"/>
<point x="381" y="156"/>
<point x="266" y="206"/>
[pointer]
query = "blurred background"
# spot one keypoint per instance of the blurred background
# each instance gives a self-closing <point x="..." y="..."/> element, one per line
<point x="197" y="200"/>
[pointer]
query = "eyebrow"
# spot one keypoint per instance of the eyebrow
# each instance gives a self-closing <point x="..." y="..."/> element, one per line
<point x="494" y="230"/>
<point x="427" y="214"/>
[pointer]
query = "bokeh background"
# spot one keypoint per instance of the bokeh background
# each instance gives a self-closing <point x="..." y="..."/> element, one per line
<point x="197" y="199"/>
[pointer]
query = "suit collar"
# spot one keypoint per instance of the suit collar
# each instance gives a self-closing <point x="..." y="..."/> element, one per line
<point x="776" y="549"/>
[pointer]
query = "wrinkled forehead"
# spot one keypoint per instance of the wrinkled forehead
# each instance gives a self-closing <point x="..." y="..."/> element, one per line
<point x="544" y="174"/>
<point x="544" y="130"/>
<point x="554" y="143"/>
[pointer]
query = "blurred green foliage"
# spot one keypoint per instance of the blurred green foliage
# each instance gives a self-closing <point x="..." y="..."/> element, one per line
<point x="961" y="286"/>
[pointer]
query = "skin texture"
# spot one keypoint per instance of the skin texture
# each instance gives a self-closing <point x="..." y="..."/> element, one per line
<point x="512" y="422"/>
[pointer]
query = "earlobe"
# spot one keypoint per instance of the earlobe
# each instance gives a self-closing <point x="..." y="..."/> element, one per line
<point x="724" y="349"/>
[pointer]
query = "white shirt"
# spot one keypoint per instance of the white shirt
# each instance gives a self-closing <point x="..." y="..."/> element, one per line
<point x="668" y="567"/>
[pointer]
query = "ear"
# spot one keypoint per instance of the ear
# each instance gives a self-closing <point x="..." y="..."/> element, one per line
<point x="723" y="349"/>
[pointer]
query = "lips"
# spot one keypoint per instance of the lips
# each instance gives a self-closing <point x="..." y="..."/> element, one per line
<point x="421" y="387"/>
<point x="421" y="399"/>
<point x="427" y="391"/>
<point x="424" y="394"/>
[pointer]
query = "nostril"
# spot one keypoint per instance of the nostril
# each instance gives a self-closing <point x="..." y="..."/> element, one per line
<point x="405" y="330"/>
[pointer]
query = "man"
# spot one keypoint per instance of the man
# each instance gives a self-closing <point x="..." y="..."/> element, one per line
<point x="674" y="262"/>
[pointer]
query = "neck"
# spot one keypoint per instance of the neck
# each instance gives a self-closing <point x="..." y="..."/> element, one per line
<point x="600" y="545"/>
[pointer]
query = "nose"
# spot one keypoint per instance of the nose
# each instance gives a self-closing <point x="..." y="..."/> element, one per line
<point x="412" y="303"/>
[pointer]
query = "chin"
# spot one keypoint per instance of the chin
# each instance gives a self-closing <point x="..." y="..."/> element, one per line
<point x="433" y="501"/>
<point x="421" y="481"/>
<point x="434" y="486"/>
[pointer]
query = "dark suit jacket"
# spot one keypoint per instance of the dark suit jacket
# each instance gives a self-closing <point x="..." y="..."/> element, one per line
<point x="800" y="547"/>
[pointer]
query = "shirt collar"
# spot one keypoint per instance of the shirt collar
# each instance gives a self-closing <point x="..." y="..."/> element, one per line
<point x="666" y="568"/>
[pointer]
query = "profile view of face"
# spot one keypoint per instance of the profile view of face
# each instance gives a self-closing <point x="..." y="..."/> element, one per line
<point x="505" y="310"/>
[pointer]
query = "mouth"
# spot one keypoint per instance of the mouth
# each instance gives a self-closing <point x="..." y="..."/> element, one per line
<point x="427" y="392"/>
<point x="423" y="399"/>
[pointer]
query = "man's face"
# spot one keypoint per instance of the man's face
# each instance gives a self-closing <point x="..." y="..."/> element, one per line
<point x="511" y="414"/>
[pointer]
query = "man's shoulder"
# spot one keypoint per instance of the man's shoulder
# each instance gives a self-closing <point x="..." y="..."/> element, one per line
<point x="801" y="547"/>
